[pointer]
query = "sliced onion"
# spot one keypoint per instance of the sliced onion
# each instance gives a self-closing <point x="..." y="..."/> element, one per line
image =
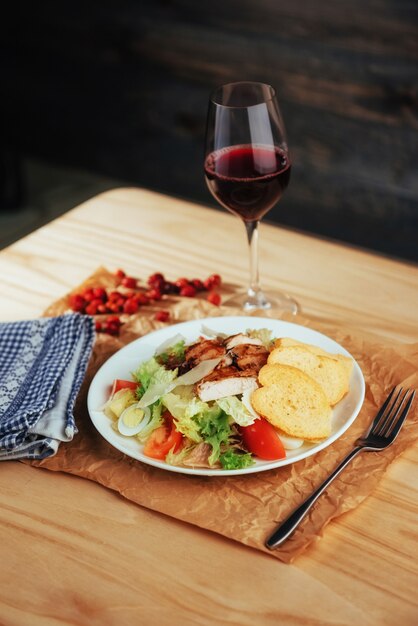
<point x="169" y="342"/>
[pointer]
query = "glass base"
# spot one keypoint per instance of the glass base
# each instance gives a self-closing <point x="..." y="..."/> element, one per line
<point x="249" y="301"/>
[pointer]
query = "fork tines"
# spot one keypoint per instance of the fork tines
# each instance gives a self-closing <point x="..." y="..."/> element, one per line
<point x="386" y="422"/>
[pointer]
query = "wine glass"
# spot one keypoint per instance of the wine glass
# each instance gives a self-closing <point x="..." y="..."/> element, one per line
<point x="247" y="169"/>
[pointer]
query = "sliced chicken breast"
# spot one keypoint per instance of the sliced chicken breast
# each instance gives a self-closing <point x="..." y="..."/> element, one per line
<point x="227" y="381"/>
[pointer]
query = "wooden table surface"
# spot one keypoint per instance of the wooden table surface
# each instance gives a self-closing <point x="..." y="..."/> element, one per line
<point x="73" y="552"/>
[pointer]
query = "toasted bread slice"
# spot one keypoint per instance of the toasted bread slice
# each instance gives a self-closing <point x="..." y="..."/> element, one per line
<point x="330" y="373"/>
<point x="293" y="402"/>
<point x="285" y="342"/>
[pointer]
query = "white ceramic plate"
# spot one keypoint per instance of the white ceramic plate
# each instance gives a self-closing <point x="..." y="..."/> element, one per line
<point x="126" y="360"/>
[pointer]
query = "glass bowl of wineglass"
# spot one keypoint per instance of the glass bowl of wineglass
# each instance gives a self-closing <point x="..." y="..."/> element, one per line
<point x="247" y="169"/>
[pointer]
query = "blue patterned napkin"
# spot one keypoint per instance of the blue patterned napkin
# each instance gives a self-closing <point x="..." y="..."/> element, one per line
<point x="42" y="366"/>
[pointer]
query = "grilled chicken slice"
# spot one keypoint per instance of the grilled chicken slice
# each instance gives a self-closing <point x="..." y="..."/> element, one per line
<point x="203" y="351"/>
<point x="249" y="356"/>
<point x="227" y="381"/>
<point x="240" y="339"/>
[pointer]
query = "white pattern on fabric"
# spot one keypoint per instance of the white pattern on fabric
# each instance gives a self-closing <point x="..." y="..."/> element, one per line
<point x="42" y="366"/>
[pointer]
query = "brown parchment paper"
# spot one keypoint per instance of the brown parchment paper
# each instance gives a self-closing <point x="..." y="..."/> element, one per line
<point x="244" y="508"/>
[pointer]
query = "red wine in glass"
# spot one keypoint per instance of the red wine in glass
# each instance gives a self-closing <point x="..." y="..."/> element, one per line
<point x="247" y="169"/>
<point x="248" y="180"/>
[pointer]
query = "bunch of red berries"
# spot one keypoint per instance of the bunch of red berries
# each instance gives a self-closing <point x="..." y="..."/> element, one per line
<point x="186" y="287"/>
<point x="130" y="295"/>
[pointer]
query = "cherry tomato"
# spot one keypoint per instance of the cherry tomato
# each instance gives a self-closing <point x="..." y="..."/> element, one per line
<point x="262" y="440"/>
<point x="163" y="439"/>
<point x="119" y="384"/>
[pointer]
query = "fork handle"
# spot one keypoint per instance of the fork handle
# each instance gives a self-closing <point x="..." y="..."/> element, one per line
<point x="290" y="524"/>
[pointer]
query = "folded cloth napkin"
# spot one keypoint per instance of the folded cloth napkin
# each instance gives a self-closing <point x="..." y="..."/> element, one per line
<point x="42" y="366"/>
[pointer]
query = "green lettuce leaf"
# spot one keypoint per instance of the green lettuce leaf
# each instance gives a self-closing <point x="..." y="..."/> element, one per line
<point x="263" y="334"/>
<point x="215" y="430"/>
<point x="184" y="410"/>
<point x="175" y="353"/>
<point x="231" y="460"/>
<point x="155" y="381"/>
<point x="155" y="421"/>
<point x="233" y="407"/>
<point x="177" y="458"/>
<point x="145" y="374"/>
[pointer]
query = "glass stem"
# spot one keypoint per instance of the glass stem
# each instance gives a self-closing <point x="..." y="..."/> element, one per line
<point x="252" y="234"/>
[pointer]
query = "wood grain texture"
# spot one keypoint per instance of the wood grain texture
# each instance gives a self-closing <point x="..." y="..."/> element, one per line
<point x="75" y="553"/>
<point x="124" y="92"/>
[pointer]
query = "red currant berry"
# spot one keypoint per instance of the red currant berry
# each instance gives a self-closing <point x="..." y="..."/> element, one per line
<point x="156" y="278"/>
<point x="214" y="298"/>
<point x="141" y="298"/>
<point x="182" y="282"/>
<point x="154" y="294"/>
<point x="198" y="284"/>
<point x="129" y="282"/>
<point x="88" y="295"/>
<point x="77" y="302"/>
<point x="100" y="294"/>
<point x="188" y="291"/>
<point x="131" y="306"/>
<point x="162" y="316"/>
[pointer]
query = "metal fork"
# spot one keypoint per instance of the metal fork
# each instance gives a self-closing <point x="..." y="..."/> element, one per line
<point x="381" y="434"/>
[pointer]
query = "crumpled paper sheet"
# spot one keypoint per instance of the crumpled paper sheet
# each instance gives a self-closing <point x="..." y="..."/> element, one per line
<point x="245" y="508"/>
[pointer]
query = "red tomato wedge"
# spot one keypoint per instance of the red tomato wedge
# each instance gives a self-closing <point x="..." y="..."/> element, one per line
<point x="262" y="440"/>
<point x="163" y="439"/>
<point x="119" y="384"/>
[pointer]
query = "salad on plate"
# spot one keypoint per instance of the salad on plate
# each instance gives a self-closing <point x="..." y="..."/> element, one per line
<point x="190" y="404"/>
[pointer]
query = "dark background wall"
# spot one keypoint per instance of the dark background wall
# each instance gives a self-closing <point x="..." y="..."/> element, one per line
<point x="121" y="89"/>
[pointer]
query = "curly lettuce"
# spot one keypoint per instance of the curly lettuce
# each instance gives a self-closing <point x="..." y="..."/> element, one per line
<point x="155" y="380"/>
<point x="216" y="430"/>
<point x="263" y="334"/>
<point x="173" y="354"/>
<point x="155" y="421"/>
<point x="231" y="460"/>
<point x="185" y="410"/>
